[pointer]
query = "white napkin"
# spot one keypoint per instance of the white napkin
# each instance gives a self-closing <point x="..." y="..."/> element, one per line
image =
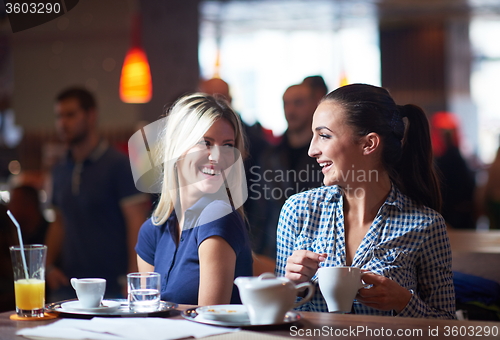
<point x="123" y="328"/>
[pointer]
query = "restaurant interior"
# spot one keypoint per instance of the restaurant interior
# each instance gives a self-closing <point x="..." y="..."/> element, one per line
<point x="443" y="55"/>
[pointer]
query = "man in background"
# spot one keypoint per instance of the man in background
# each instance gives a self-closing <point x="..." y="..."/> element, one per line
<point x="286" y="168"/>
<point x="317" y="85"/>
<point x="98" y="209"/>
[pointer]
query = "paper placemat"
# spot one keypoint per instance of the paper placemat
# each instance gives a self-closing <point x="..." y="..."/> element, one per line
<point x="122" y="329"/>
<point x="246" y="335"/>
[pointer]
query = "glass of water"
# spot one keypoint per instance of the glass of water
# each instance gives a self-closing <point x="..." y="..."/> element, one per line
<point x="143" y="292"/>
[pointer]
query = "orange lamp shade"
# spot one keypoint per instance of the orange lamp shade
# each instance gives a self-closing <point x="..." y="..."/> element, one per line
<point x="135" y="80"/>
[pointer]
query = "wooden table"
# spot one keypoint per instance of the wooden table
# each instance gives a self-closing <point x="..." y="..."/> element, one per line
<point x="328" y="326"/>
<point x="471" y="241"/>
<point x="476" y="252"/>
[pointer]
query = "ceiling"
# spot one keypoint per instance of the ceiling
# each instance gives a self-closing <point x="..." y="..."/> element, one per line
<point x="246" y="15"/>
<point x="396" y="8"/>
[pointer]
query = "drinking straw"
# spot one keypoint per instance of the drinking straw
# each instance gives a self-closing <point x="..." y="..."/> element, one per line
<point x="20" y="242"/>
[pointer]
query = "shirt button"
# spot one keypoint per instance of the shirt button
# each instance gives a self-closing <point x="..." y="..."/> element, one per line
<point x="182" y="239"/>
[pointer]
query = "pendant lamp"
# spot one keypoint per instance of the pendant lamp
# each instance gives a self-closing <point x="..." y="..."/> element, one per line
<point x="135" y="80"/>
<point x="343" y="79"/>
<point x="217" y="64"/>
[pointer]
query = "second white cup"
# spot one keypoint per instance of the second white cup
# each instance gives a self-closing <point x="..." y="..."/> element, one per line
<point x="339" y="286"/>
<point x="89" y="291"/>
<point x="268" y="298"/>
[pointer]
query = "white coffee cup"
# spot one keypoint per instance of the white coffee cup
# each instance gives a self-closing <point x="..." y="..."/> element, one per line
<point x="89" y="291"/>
<point x="268" y="297"/>
<point x="339" y="286"/>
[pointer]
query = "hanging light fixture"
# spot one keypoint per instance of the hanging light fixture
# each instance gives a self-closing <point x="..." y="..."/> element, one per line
<point x="218" y="39"/>
<point x="343" y="79"/>
<point x="135" y="81"/>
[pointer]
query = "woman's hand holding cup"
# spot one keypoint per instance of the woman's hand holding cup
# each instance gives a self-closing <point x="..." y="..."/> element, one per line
<point x="384" y="293"/>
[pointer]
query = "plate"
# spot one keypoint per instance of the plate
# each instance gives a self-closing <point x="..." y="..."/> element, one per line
<point x="226" y="313"/>
<point x="192" y="315"/>
<point x="107" y="306"/>
<point x="122" y="309"/>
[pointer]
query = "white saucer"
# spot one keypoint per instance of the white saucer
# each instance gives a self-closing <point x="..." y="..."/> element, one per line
<point x="192" y="314"/>
<point x="226" y="313"/>
<point x="108" y="306"/>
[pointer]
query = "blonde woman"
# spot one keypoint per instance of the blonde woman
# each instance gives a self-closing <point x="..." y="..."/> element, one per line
<point x="196" y="237"/>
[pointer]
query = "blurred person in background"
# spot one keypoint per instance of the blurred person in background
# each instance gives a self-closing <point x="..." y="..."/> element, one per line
<point x="285" y="169"/>
<point x="8" y="237"/>
<point x="98" y="209"/>
<point x="318" y="86"/>
<point x="491" y="195"/>
<point x="26" y="207"/>
<point x="458" y="183"/>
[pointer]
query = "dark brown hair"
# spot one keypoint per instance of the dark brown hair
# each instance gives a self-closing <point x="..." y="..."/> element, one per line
<point x="84" y="97"/>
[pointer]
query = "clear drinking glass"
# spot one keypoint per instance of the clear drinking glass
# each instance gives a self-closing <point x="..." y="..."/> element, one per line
<point x="29" y="279"/>
<point x="143" y="292"/>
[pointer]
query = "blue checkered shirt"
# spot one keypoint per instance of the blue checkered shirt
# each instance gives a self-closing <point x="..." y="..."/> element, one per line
<point x="406" y="243"/>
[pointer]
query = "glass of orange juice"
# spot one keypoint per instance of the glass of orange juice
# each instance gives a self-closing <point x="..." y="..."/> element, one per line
<point x="29" y="279"/>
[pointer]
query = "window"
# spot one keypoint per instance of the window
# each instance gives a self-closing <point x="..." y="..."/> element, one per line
<point x="264" y="47"/>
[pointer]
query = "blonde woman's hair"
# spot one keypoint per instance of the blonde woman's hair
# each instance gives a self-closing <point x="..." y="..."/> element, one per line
<point x="187" y="122"/>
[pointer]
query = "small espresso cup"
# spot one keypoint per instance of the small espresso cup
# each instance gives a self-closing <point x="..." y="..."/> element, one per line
<point x="89" y="291"/>
<point x="339" y="286"/>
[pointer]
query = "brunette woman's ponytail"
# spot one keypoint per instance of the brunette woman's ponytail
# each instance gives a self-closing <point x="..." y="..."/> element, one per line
<point x="415" y="168"/>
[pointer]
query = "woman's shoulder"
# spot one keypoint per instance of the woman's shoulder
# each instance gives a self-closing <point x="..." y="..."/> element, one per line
<point x="219" y="218"/>
<point x="150" y="235"/>
<point x="418" y="213"/>
<point x="217" y="210"/>
<point x="408" y="204"/>
<point x="218" y="205"/>
<point x="316" y="196"/>
<point x="150" y="226"/>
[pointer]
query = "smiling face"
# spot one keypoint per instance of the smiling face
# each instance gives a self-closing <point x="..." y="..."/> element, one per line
<point x="338" y="151"/>
<point x="201" y="166"/>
